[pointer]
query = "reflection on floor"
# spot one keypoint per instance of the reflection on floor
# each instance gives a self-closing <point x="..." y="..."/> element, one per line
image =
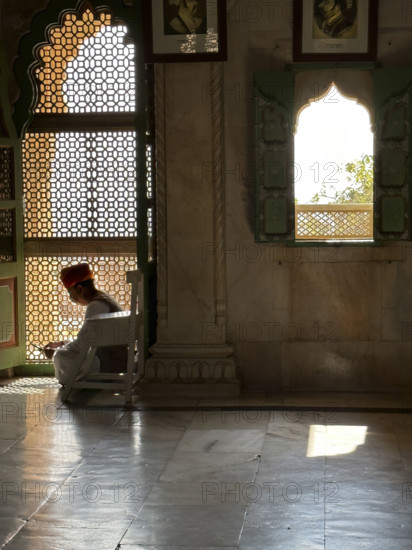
<point x="260" y="472"/>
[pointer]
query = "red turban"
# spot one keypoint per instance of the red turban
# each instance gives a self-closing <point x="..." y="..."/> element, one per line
<point x="75" y="274"/>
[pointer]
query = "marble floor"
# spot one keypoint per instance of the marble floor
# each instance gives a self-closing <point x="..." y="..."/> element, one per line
<point x="259" y="472"/>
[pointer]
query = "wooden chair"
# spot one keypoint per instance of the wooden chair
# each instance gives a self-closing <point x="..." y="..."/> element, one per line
<point x="113" y="329"/>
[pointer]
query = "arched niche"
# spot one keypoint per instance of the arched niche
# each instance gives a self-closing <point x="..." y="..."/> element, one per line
<point x="312" y="86"/>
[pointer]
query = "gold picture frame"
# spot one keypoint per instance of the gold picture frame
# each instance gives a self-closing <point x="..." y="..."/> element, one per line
<point x="177" y="31"/>
<point x="341" y="30"/>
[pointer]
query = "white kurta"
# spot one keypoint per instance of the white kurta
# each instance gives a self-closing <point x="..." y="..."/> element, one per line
<point x="66" y="358"/>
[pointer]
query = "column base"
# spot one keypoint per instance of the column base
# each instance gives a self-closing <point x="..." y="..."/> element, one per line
<point x="208" y="370"/>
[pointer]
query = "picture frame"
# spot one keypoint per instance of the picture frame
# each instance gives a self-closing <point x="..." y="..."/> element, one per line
<point x="339" y="31"/>
<point x="8" y="338"/>
<point x="181" y="31"/>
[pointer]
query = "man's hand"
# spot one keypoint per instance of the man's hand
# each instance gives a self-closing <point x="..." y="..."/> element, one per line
<point x="51" y="347"/>
<point x="55" y="345"/>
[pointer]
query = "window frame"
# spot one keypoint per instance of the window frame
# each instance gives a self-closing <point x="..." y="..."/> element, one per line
<point x="389" y="86"/>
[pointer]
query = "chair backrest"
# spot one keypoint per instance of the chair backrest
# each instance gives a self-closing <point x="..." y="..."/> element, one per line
<point x="135" y="279"/>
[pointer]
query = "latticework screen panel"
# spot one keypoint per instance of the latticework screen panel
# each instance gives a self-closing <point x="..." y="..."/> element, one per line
<point x="334" y="221"/>
<point x="79" y="169"/>
<point x="80" y="184"/>
<point x="86" y="67"/>
<point x="50" y="314"/>
<point x="6" y="173"/>
<point x="7" y="248"/>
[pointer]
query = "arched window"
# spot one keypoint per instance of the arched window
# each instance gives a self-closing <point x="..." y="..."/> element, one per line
<point x="79" y="168"/>
<point x="279" y="98"/>
<point x="334" y="170"/>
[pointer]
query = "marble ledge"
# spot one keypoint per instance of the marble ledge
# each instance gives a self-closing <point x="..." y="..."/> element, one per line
<point x="195" y="364"/>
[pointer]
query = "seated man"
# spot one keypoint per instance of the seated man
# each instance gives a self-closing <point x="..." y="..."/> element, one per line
<point x="79" y="282"/>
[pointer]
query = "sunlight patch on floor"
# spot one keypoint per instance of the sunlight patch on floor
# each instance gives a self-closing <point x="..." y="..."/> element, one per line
<point x="334" y="440"/>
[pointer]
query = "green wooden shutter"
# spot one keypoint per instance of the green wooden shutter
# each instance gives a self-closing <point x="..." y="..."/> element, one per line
<point x="275" y="211"/>
<point x="392" y="155"/>
<point x="12" y="341"/>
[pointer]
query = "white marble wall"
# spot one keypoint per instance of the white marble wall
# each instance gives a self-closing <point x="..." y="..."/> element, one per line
<point x="340" y="319"/>
<point x="297" y="319"/>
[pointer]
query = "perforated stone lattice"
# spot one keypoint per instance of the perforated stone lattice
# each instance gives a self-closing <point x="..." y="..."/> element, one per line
<point x="6" y="173"/>
<point x="331" y="224"/>
<point x="80" y="184"/>
<point x="7" y="236"/>
<point x="86" y="67"/>
<point x="50" y="314"/>
<point x="7" y="253"/>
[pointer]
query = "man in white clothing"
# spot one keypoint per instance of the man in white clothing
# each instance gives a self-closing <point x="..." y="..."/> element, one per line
<point x="79" y="282"/>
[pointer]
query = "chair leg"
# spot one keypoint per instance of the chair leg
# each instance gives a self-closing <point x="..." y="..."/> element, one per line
<point x="65" y="393"/>
<point x="83" y="365"/>
<point x="129" y="373"/>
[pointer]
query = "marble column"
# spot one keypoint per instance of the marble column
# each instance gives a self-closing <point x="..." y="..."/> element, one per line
<point x="191" y="334"/>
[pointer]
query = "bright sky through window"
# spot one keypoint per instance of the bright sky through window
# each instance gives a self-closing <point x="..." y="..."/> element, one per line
<point x="101" y="77"/>
<point x="331" y="132"/>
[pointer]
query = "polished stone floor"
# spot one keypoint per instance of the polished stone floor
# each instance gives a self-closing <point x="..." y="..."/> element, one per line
<point x="261" y="472"/>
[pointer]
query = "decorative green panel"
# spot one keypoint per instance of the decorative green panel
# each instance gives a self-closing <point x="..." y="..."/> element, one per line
<point x="275" y="216"/>
<point x="274" y="170"/>
<point x="394" y="125"/>
<point x="392" y="175"/>
<point x="12" y="341"/>
<point x="274" y="155"/>
<point x="393" y="166"/>
<point x="274" y="125"/>
<point x="393" y="214"/>
<point x="11" y="234"/>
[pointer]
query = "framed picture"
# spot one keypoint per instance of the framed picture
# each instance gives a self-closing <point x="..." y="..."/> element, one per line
<point x="8" y="314"/>
<point x="334" y="30"/>
<point x="185" y="30"/>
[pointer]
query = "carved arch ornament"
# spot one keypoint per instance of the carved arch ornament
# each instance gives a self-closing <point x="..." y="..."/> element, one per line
<point x="64" y="39"/>
<point x="312" y="86"/>
<point x="120" y="12"/>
